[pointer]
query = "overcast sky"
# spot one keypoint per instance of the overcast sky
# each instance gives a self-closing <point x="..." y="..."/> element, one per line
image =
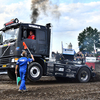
<point x="75" y="16"/>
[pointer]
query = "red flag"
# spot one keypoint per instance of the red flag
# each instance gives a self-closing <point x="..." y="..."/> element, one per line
<point x="25" y="46"/>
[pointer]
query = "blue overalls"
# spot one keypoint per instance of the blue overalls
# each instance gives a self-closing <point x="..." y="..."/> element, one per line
<point x="22" y="62"/>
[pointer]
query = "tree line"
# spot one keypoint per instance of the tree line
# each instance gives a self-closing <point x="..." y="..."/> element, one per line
<point x="88" y="39"/>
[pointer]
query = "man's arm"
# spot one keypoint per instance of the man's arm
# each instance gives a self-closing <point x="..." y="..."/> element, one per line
<point x="16" y="69"/>
<point x="32" y="57"/>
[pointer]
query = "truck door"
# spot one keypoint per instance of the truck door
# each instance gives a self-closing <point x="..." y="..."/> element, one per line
<point x="42" y="41"/>
<point x="38" y="45"/>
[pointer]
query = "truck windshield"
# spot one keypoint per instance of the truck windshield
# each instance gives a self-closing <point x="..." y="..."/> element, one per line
<point x="10" y="35"/>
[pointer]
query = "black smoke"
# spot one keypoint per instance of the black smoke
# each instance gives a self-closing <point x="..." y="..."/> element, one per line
<point x="43" y="7"/>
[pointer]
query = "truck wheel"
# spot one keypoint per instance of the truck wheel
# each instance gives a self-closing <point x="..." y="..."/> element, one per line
<point x="84" y="75"/>
<point x="11" y="74"/>
<point x="35" y="72"/>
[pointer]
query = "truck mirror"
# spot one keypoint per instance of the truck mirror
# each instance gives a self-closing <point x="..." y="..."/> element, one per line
<point x="1" y="38"/>
<point x="48" y="25"/>
<point x="25" y="34"/>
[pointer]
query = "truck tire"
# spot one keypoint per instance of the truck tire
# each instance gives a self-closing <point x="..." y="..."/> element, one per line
<point x="11" y="74"/>
<point x="35" y="72"/>
<point x="84" y="75"/>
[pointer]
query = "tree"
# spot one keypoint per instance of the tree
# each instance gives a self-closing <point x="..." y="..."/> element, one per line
<point x="88" y="38"/>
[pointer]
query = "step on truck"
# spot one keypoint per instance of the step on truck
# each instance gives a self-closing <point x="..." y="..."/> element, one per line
<point x="12" y="37"/>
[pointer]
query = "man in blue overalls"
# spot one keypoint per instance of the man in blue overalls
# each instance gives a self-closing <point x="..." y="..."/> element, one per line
<point x="22" y="63"/>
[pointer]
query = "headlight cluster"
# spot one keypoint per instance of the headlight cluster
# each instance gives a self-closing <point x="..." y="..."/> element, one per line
<point x="14" y="59"/>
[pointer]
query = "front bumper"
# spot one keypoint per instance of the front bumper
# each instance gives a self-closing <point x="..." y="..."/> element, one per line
<point x="8" y="66"/>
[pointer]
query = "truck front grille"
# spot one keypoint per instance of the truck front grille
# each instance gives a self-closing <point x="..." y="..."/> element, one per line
<point x="4" y="61"/>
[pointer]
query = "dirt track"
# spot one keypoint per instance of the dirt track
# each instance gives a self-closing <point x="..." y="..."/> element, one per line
<point x="49" y="89"/>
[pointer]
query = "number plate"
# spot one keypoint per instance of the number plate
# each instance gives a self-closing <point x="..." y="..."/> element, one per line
<point x="4" y="66"/>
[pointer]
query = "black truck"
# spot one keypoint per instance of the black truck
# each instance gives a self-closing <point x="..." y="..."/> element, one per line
<point x="12" y="37"/>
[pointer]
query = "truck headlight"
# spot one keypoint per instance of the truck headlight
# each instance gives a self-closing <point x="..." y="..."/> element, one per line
<point x="14" y="59"/>
<point x="12" y="66"/>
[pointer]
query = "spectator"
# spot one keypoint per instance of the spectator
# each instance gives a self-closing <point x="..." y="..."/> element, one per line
<point x="79" y="56"/>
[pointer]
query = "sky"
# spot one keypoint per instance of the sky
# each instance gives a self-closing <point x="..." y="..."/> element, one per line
<point x="75" y="16"/>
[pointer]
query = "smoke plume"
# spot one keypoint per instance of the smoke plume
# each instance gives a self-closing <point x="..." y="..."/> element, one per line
<point x="43" y="7"/>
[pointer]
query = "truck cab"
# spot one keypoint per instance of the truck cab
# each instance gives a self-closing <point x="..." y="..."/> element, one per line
<point x="12" y="37"/>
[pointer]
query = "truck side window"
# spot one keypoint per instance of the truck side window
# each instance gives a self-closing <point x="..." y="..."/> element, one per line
<point x="24" y="34"/>
<point x="31" y="34"/>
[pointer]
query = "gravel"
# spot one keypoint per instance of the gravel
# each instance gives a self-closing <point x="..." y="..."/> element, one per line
<point x="49" y="89"/>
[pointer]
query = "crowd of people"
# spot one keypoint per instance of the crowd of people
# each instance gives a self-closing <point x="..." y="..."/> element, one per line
<point x="81" y="57"/>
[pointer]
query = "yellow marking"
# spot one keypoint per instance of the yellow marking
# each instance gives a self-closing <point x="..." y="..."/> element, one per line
<point x="4" y="66"/>
<point x="5" y="45"/>
<point x="44" y="60"/>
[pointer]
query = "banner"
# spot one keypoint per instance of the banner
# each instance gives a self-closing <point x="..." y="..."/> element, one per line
<point x="90" y="59"/>
<point x="68" y="51"/>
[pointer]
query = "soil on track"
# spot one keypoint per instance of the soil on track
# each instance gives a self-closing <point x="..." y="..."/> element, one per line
<point x="49" y="89"/>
